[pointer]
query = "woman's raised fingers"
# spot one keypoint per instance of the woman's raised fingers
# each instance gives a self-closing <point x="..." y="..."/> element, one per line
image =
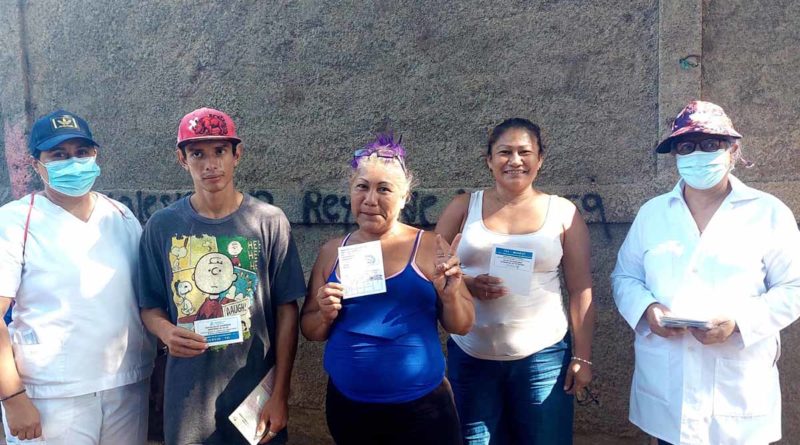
<point x="454" y="246"/>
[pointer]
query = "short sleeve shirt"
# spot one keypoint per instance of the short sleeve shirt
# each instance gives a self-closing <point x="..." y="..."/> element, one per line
<point x="72" y="282"/>
<point x="197" y="268"/>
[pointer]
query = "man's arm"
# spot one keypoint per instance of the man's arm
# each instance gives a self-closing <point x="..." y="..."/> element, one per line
<point x="288" y="284"/>
<point x="275" y="413"/>
<point x="180" y="342"/>
<point x="153" y="297"/>
<point x="23" y="418"/>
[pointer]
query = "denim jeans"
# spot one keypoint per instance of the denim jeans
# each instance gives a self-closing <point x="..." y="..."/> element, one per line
<point x="513" y="402"/>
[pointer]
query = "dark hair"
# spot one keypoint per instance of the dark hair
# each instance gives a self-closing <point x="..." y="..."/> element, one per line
<point x="515" y="122"/>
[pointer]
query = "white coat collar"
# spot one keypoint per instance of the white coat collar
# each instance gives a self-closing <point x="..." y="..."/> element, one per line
<point x="739" y="191"/>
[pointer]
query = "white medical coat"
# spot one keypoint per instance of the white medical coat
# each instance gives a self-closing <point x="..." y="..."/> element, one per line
<point x="744" y="266"/>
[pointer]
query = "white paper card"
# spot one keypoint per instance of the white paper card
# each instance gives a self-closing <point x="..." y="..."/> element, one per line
<point x="679" y="322"/>
<point x="220" y="331"/>
<point x="514" y="267"/>
<point x="361" y="269"/>
<point x="246" y="416"/>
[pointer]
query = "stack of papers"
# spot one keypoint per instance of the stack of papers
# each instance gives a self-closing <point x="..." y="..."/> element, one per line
<point x="248" y="414"/>
<point x="678" y="322"/>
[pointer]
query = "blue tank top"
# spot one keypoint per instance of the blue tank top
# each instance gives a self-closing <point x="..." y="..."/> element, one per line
<point x="384" y="348"/>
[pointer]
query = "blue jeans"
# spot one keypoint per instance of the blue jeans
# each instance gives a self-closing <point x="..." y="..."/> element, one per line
<point x="513" y="402"/>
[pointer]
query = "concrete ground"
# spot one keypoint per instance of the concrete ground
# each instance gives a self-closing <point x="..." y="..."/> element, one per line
<point x="597" y="439"/>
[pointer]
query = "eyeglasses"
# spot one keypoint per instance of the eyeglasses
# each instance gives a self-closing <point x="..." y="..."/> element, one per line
<point x="707" y="145"/>
<point x="385" y="153"/>
<point x="587" y="397"/>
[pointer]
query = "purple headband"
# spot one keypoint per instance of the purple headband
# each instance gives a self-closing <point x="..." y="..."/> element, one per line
<point x="385" y="146"/>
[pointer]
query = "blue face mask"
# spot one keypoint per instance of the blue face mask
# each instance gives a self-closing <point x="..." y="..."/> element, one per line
<point x="703" y="170"/>
<point x="73" y="176"/>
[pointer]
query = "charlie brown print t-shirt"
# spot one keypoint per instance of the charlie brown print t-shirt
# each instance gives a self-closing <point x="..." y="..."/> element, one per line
<point x="197" y="269"/>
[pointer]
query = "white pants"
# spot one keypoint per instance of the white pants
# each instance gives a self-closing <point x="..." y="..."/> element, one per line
<point x="116" y="416"/>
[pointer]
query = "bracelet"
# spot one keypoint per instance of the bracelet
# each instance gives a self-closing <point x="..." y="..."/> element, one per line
<point x="13" y="395"/>
<point x="578" y="359"/>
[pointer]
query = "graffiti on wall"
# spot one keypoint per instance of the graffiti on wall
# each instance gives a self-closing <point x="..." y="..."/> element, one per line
<point x="320" y="207"/>
<point x="592" y="204"/>
<point x="143" y="204"/>
<point x="332" y="208"/>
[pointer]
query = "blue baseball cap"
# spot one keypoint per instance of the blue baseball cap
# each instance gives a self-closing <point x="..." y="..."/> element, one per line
<point x="55" y="128"/>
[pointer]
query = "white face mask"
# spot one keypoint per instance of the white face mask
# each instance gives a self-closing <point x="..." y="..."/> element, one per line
<point x="703" y="170"/>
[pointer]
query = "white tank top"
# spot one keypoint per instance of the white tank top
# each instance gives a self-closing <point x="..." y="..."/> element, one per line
<point x="513" y="326"/>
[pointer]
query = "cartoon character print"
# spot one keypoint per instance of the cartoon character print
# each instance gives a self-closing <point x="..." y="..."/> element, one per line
<point x="234" y="249"/>
<point x="179" y="252"/>
<point x="182" y="289"/>
<point x="246" y="323"/>
<point x="214" y="277"/>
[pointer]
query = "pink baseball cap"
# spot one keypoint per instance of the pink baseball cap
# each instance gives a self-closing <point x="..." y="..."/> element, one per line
<point x="699" y="117"/>
<point x="206" y="124"/>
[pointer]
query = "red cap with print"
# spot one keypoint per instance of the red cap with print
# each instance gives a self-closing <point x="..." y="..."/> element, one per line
<point x="699" y="117"/>
<point x="206" y="124"/>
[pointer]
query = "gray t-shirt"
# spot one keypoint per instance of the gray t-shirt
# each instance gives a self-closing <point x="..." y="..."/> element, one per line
<point x="198" y="268"/>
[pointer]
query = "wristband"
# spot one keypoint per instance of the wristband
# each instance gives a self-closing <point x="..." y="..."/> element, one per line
<point x="578" y="359"/>
<point x="12" y="395"/>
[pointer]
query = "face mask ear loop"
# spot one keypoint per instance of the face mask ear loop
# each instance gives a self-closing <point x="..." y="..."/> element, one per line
<point x="746" y="163"/>
<point x="45" y="169"/>
<point x="740" y="158"/>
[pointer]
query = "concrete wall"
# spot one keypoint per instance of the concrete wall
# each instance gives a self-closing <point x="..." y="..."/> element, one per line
<point x="307" y="82"/>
